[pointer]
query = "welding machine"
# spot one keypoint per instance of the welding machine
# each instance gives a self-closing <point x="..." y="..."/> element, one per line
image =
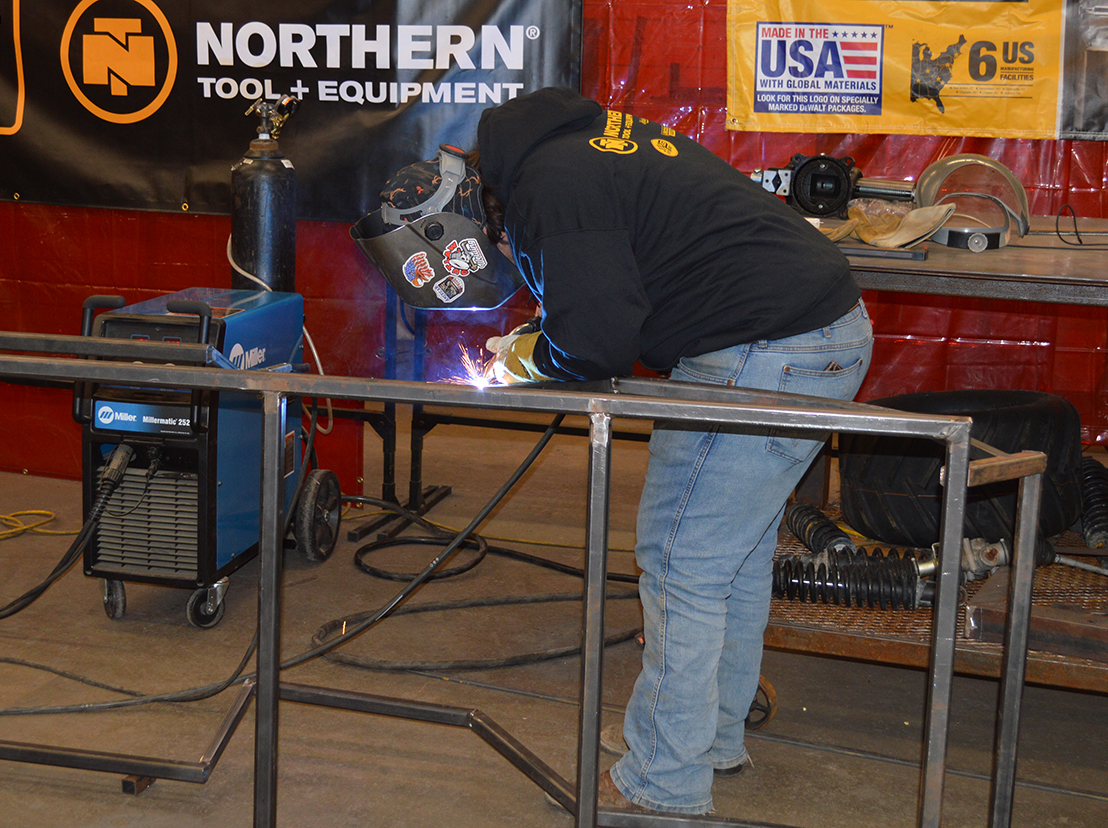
<point x="187" y="511"/>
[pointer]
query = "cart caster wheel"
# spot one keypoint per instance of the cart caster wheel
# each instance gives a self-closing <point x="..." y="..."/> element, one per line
<point x="197" y="610"/>
<point x="318" y="514"/>
<point x="115" y="598"/>
<point x="764" y="706"/>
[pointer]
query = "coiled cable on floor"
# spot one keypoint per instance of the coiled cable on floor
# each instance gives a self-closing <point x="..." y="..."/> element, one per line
<point x="1094" y="502"/>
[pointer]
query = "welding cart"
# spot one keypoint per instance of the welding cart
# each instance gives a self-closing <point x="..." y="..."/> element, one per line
<point x="186" y="513"/>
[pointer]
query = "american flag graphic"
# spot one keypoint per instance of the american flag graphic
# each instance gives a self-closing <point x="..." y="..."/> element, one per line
<point x="859" y="59"/>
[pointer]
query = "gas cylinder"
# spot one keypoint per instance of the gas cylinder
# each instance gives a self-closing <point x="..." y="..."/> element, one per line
<point x="263" y="207"/>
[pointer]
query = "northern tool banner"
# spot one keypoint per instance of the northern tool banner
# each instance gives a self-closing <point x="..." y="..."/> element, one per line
<point x="1024" y="69"/>
<point x="140" y="103"/>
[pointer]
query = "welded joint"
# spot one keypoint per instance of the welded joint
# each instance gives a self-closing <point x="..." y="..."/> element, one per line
<point x="601" y="426"/>
<point x="599" y="405"/>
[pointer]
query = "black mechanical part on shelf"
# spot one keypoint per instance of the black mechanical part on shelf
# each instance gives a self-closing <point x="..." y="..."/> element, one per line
<point x="815" y="530"/>
<point x="318" y="514"/>
<point x="822" y="185"/>
<point x="1094" y="503"/>
<point x="980" y="558"/>
<point x="891" y="490"/>
<point x="889" y="580"/>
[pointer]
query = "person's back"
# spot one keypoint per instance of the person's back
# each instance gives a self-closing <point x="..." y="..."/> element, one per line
<point x="648" y="237"/>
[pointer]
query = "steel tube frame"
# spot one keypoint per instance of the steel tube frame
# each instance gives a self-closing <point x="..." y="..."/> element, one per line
<point x="601" y="401"/>
<point x="132" y="765"/>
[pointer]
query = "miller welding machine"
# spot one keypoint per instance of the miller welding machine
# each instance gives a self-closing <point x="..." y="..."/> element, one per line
<point x="186" y="513"/>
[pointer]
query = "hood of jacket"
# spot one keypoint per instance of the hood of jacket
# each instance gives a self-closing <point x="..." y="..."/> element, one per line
<point x="508" y="133"/>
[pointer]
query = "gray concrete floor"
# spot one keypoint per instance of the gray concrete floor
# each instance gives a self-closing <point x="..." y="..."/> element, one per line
<point x="842" y="751"/>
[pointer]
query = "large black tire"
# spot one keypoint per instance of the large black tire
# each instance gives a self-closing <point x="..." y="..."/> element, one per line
<point x="890" y="485"/>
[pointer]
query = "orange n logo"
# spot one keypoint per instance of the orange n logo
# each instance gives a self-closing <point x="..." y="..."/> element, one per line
<point x="118" y="55"/>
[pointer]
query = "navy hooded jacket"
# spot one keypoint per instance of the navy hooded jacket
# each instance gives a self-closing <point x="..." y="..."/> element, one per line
<point x="642" y="245"/>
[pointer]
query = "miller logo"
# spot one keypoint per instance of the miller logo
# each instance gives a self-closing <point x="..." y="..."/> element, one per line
<point x="244" y="359"/>
<point x="119" y="58"/>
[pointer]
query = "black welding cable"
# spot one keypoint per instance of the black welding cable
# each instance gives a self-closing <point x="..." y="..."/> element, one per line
<point x="365" y="621"/>
<point x="190" y="694"/>
<point x="474" y="664"/>
<point x="478" y="543"/>
<point x="109" y="482"/>
<point x="360" y="622"/>
<point x="65" y="674"/>
<point x="481" y="547"/>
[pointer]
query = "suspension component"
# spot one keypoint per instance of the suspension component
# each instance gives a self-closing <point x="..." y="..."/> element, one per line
<point x="886" y="579"/>
<point x="1094" y="501"/>
<point x="815" y="530"/>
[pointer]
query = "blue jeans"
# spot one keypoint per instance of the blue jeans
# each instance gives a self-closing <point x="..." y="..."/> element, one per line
<point x="707" y="530"/>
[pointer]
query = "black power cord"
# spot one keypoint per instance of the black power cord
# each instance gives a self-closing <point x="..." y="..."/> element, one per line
<point x="109" y="482"/>
<point x="363" y="622"/>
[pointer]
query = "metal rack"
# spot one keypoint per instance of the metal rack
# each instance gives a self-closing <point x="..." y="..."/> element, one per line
<point x="600" y="403"/>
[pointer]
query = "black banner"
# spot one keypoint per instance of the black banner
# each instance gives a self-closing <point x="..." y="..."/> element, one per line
<point x="141" y="103"/>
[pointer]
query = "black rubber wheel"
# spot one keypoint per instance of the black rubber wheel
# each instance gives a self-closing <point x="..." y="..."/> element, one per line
<point x="197" y="610"/>
<point x="318" y="514"/>
<point x="764" y="706"/>
<point x="890" y="485"/>
<point x="115" y="599"/>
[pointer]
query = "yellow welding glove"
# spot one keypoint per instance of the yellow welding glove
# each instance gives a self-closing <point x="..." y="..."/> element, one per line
<point x="840" y="231"/>
<point x="515" y="358"/>
<point x="889" y="230"/>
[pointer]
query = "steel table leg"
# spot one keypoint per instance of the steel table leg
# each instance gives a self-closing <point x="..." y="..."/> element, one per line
<point x="1015" y="651"/>
<point x="592" y="648"/>
<point x="943" y="630"/>
<point x="270" y="553"/>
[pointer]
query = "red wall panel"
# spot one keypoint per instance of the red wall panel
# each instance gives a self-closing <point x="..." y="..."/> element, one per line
<point x="662" y="59"/>
<point x="667" y="61"/>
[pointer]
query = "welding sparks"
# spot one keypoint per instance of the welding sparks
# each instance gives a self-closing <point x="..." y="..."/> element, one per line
<point x="474" y="371"/>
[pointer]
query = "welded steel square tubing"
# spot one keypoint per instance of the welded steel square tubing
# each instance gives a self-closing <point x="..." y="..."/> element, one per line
<point x="600" y="402"/>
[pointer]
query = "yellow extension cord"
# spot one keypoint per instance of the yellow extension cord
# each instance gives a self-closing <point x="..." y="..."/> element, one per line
<point x="16" y="527"/>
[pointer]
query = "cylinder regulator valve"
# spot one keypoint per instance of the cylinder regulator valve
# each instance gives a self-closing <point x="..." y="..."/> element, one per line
<point x="263" y="206"/>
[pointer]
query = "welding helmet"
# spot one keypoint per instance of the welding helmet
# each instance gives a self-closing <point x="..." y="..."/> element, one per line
<point x="990" y="203"/>
<point x="428" y="238"/>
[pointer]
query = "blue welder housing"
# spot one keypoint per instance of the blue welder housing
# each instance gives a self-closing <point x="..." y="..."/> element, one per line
<point x="187" y="511"/>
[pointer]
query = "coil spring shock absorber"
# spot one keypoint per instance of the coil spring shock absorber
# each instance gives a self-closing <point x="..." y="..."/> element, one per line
<point x="886" y="579"/>
<point x="1094" y="501"/>
<point x="815" y="530"/>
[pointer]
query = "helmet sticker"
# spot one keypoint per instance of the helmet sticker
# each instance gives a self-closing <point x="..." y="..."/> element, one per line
<point x="463" y="257"/>
<point x="449" y="288"/>
<point x="418" y="270"/>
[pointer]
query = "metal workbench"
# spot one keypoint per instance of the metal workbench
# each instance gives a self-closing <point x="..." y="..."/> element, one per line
<point x="137" y="364"/>
<point x="1037" y="268"/>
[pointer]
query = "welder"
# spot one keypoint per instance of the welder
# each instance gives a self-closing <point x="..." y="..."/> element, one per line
<point x="643" y="246"/>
